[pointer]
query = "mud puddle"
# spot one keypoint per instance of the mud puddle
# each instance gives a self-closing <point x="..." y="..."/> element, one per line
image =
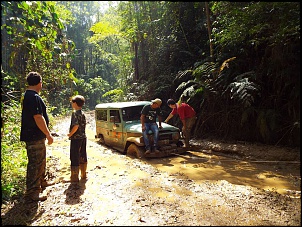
<point x="268" y="175"/>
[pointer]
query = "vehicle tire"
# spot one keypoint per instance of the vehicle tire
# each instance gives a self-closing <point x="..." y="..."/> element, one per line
<point x="180" y="143"/>
<point x="101" y="140"/>
<point x="135" y="151"/>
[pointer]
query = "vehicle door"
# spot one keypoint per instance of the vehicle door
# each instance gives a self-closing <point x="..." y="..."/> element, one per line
<point x="101" y="124"/>
<point x="115" y="129"/>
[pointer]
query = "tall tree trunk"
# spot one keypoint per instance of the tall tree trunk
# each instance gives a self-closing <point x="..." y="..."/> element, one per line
<point x="209" y="28"/>
<point x="136" y="73"/>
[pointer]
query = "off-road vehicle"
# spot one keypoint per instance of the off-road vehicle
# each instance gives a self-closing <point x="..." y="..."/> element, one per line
<point x="118" y="125"/>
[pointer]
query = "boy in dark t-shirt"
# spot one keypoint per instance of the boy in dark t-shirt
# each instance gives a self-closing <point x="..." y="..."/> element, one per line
<point x="148" y="120"/>
<point x="78" y="140"/>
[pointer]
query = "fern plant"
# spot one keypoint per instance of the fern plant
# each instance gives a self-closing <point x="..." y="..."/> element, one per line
<point x="243" y="90"/>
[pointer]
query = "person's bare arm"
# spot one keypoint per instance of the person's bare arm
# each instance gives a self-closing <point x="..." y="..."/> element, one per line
<point x="73" y="130"/>
<point x="159" y="121"/>
<point x="143" y="122"/>
<point x="41" y="123"/>
<point x="168" y="118"/>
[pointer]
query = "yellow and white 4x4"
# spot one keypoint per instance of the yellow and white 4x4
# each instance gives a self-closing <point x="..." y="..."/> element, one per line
<point x="118" y="125"/>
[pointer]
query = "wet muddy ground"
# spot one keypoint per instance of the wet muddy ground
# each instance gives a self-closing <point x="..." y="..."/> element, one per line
<point x="214" y="183"/>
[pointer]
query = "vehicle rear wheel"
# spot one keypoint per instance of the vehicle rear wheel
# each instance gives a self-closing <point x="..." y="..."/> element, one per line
<point x="135" y="151"/>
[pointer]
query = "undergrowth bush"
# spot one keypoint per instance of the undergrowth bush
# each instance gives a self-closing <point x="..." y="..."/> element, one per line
<point x="13" y="152"/>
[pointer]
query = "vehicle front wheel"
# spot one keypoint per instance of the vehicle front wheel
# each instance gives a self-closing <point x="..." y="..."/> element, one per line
<point x="135" y="151"/>
<point x="101" y="140"/>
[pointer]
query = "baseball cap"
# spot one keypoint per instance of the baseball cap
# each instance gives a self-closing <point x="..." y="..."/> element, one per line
<point x="157" y="100"/>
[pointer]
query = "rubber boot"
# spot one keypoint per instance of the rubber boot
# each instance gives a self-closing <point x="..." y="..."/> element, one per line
<point x="45" y="183"/>
<point x="83" y="168"/>
<point x="74" y="174"/>
<point x="36" y="196"/>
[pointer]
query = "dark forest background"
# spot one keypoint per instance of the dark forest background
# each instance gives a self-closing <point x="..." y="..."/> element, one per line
<point x="237" y="63"/>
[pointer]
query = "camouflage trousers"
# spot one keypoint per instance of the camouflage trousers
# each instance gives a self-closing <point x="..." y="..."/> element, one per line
<point x="36" y="154"/>
<point x="187" y="133"/>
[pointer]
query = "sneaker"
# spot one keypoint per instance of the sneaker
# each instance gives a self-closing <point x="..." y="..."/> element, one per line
<point x="148" y="152"/>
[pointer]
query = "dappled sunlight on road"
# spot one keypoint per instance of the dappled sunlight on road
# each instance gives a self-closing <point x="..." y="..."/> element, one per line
<point x="198" y="165"/>
<point x="214" y="183"/>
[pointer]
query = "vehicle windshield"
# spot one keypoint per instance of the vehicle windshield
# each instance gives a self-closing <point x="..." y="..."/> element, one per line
<point x="132" y="113"/>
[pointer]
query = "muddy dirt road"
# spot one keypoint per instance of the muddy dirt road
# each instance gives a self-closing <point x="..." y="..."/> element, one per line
<point x="124" y="191"/>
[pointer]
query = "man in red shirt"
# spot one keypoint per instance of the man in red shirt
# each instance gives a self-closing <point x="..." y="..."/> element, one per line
<point x="187" y="116"/>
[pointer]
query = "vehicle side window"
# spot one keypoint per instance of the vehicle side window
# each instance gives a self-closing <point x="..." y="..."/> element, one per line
<point x="116" y="115"/>
<point x="132" y="113"/>
<point x="101" y="115"/>
<point x="127" y="114"/>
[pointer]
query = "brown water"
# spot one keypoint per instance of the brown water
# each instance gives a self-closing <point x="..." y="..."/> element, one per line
<point x="282" y="177"/>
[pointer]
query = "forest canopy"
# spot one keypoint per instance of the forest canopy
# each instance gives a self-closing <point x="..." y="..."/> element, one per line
<point x="237" y="63"/>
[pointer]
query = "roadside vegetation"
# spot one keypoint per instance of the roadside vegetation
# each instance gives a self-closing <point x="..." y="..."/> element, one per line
<point x="238" y="64"/>
<point x="13" y="154"/>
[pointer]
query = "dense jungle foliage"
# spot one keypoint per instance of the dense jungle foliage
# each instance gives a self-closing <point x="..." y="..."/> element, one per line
<point x="237" y="63"/>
